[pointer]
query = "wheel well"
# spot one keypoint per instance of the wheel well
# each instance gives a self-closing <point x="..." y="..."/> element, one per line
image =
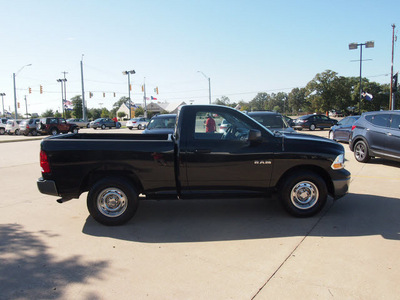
<point x="95" y="176"/>
<point x="317" y="170"/>
<point x="356" y="140"/>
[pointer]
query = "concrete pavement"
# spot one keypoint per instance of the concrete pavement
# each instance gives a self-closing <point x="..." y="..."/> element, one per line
<point x="200" y="249"/>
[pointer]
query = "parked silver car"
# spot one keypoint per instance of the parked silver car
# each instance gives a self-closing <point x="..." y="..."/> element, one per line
<point x="12" y="127"/>
<point x="80" y="122"/>
<point x="28" y="126"/>
<point x="138" y="123"/>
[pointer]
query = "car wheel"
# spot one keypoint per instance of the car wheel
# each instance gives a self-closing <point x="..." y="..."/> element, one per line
<point x="303" y="194"/>
<point x="2" y="131"/>
<point x="88" y="125"/>
<point x="139" y="127"/>
<point x="16" y="132"/>
<point x="331" y="135"/>
<point x="361" y="152"/>
<point x="312" y="127"/>
<point x="109" y="127"/>
<point x="103" y="126"/>
<point x="112" y="201"/>
<point x="130" y="128"/>
<point x="34" y="132"/>
<point x="75" y="130"/>
<point x="54" y="131"/>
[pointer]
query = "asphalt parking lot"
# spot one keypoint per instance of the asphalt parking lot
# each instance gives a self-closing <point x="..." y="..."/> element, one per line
<point x="198" y="249"/>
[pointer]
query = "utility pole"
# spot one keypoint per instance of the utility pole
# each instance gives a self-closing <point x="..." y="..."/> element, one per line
<point x="62" y="94"/>
<point x="83" y="93"/>
<point x="2" y="100"/>
<point x="65" y="90"/>
<point x="391" y="99"/>
<point x="26" y="107"/>
<point x="144" y="97"/>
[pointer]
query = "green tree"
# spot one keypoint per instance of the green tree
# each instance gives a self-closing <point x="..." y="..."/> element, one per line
<point x="121" y="115"/>
<point x="77" y="107"/>
<point x="139" y="111"/>
<point x="259" y="102"/>
<point x="48" y="113"/>
<point x="57" y="114"/>
<point x="322" y="91"/>
<point x="105" y="113"/>
<point x="296" y="99"/>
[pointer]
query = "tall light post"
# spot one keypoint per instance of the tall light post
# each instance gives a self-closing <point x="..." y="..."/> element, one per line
<point x="62" y="93"/>
<point x="129" y="89"/>
<point x="209" y="85"/>
<point x="15" y="90"/>
<point x="2" y="100"/>
<point x="354" y="46"/>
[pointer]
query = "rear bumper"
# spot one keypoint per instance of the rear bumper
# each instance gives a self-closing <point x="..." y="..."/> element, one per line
<point x="47" y="187"/>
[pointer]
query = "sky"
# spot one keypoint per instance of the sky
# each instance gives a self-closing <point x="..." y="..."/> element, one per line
<point x="244" y="47"/>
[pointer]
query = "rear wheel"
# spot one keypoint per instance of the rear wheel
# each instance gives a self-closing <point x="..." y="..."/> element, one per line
<point x="139" y="127"/>
<point x="361" y="152"/>
<point x="103" y="126"/>
<point x="303" y="194"/>
<point x="54" y="131"/>
<point x="112" y="201"/>
<point x="312" y="127"/>
<point x="75" y="130"/>
<point x="2" y="131"/>
<point x="331" y="135"/>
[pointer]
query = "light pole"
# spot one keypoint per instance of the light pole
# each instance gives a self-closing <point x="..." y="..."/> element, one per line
<point x="209" y="85"/>
<point x="354" y="46"/>
<point x="15" y="89"/>
<point x="129" y="89"/>
<point x="62" y="94"/>
<point x="2" y="100"/>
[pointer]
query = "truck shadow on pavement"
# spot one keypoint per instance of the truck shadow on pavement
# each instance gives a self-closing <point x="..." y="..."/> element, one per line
<point x="29" y="271"/>
<point x="181" y="221"/>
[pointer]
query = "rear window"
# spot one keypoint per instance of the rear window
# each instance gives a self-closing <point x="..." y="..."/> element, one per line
<point x="379" y="120"/>
<point x="395" y="122"/>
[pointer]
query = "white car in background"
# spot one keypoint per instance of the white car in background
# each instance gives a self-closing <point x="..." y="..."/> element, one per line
<point x="12" y="127"/>
<point x="138" y="123"/>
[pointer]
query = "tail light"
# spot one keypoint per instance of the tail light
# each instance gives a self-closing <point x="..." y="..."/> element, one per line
<point x="353" y="127"/>
<point x="44" y="162"/>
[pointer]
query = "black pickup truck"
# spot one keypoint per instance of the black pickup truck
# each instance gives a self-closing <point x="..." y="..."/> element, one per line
<point x="199" y="160"/>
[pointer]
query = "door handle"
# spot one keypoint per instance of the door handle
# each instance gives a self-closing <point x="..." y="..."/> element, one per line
<point x="202" y="151"/>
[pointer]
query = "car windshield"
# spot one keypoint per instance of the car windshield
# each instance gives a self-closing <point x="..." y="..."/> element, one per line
<point x="98" y="120"/>
<point x="162" y="122"/>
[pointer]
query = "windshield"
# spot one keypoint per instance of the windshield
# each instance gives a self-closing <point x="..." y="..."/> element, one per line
<point x="162" y="122"/>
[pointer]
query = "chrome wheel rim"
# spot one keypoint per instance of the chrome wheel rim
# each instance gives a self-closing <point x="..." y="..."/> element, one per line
<point x="360" y="151"/>
<point x="304" y="195"/>
<point x="112" y="202"/>
<point x="331" y="135"/>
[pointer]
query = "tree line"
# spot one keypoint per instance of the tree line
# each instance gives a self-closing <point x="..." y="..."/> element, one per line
<point x="325" y="92"/>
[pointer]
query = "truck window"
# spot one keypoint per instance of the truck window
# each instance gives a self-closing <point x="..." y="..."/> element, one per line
<point x="216" y="126"/>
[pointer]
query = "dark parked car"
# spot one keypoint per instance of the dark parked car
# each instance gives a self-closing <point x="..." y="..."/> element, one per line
<point x="55" y="126"/>
<point x="272" y="120"/>
<point x="376" y="134"/>
<point x="313" y="122"/>
<point x="103" y="123"/>
<point x="342" y="130"/>
<point x="161" y="124"/>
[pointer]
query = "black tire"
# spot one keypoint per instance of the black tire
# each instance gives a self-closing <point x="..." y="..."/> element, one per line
<point x="130" y="128"/>
<point x="103" y="126"/>
<point x="54" y="131"/>
<point x="139" y="127"/>
<point x="361" y="152"/>
<point x="313" y="127"/>
<point x="34" y="132"/>
<point x="303" y="194"/>
<point x="75" y="130"/>
<point x="2" y="131"/>
<point x="112" y="201"/>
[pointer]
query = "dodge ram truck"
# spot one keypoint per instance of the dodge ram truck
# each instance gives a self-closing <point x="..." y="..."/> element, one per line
<point x="196" y="161"/>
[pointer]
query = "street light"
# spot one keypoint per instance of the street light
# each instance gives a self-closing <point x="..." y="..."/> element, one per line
<point x="15" y="89"/>
<point x="209" y="85"/>
<point x="62" y="94"/>
<point x="2" y="100"/>
<point x="129" y="89"/>
<point x="353" y="46"/>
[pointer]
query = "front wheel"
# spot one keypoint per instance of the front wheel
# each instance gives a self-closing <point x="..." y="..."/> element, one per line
<point x="103" y="126"/>
<point x="303" y="194"/>
<point x="331" y="135"/>
<point x="361" y="152"/>
<point x="54" y="131"/>
<point x="312" y="127"/>
<point x="139" y="127"/>
<point x="75" y="130"/>
<point x="112" y="201"/>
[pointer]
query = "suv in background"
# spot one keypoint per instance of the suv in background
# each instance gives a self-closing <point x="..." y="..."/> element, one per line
<point x="313" y="122"/>
<point x="376" y="134"/>
<point x="3" y="123"/>
<point x="55" y="126"/>
<point x="138" y="123"/>
<point x="12" y="126"/>
<point x="272" y="120"/>
<point x="28" y="126"/>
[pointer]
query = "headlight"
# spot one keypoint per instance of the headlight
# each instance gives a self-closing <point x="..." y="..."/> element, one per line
<point x="338" y="163"/>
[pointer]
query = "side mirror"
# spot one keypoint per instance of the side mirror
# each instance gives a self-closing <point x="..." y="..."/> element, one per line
<point x="254" y="136"/>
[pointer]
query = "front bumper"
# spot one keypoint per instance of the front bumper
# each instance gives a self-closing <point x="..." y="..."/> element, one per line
<point x="341" y="185"/>
<point x="47" y="187"/>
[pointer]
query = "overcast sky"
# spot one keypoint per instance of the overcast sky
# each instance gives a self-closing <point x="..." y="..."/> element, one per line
<point x="245" y="47"/>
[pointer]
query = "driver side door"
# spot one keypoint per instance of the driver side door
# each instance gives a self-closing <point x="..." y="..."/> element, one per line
<point x="225" y="162"/>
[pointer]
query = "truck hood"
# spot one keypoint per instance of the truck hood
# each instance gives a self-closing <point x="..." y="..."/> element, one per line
<point x="309" y="143"/>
